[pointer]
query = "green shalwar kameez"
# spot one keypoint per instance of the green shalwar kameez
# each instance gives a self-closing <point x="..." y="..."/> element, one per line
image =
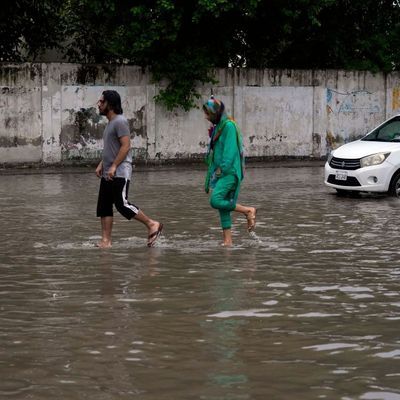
<point x="226" y="155"/>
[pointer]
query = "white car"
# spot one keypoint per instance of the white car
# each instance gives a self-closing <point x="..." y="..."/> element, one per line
<point x="370" y="164"/>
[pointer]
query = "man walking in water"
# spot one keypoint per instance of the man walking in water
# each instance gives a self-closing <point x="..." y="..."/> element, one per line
<point x="115" y="171"/>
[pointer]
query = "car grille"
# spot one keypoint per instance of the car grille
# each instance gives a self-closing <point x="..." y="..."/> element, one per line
<point x="350" y="181"/>
<point x="345" y="163"/>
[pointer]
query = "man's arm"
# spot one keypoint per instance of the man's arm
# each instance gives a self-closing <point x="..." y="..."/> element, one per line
<point x="123" y="151"/>
<point x="99" y="169"/>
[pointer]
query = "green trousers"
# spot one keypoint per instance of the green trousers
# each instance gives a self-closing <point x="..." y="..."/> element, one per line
<point x="223" y="198"/>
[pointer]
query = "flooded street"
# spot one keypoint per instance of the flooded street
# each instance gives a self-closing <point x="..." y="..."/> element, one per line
<point x="309" y="308"/>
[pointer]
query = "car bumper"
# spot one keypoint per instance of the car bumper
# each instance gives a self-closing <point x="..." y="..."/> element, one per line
<point x="369" y="179"/>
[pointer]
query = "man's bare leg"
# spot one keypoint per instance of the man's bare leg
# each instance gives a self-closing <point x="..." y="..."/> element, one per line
<point x="106" y="229"/>
<point x="151" y="224"/>
<point x="250" y="213"/>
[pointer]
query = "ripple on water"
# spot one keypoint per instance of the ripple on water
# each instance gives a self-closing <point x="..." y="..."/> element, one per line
<point x="334" y="251"/>
<point x="14" y="387"/>
<point x="317" y="315"/>
<point x="184" y="243"/>
<point x="380" y="396"/>
<point x="320" y="288"/>
<point x="331" y="346"/>
<point x="395" y="354"/>
<point x="245" y="313"/>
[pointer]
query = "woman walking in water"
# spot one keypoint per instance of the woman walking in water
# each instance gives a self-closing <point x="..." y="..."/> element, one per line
<point x="225" y="168"/>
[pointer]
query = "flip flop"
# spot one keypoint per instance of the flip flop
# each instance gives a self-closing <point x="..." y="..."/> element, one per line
<point x="151" y="239"/>
<point x="251" y="221"/>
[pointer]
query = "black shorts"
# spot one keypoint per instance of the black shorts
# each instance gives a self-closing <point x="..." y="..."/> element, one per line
<point x="115" y="192"/>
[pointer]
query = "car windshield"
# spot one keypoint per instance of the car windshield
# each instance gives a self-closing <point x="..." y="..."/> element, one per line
<point x="388" y="132"/>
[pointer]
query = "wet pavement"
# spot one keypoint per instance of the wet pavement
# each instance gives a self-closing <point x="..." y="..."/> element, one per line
<point x="308" y="308"/>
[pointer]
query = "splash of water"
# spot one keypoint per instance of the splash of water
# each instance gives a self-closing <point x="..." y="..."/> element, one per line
<point x="254" y="236"/>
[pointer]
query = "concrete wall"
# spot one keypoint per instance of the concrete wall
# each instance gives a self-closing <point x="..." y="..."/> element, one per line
<point x="48" y="112"/>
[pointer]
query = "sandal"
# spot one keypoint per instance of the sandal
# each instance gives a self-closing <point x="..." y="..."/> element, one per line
<point x="151" y="239"/>
<point x="251" y="220"/>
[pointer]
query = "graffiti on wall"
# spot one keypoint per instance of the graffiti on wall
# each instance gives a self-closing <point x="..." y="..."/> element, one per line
<point x="350" y="115"/>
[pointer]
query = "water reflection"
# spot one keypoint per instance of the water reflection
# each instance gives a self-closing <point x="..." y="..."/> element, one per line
<point x="307" y="308"/>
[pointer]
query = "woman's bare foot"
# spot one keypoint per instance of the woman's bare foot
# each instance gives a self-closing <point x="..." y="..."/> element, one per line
<point x="251" y="219"/>
<point x="227" y="237"/>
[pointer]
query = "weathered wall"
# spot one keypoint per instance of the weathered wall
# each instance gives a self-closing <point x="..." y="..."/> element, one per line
<point x="48" y="112"/>
<point x="20" y="113"/>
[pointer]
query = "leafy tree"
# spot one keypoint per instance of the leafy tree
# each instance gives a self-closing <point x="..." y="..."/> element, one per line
<point x="179" y="41"/>
<point x="28" y="27"/>
<point x="349" y="34"/>
<point x="182" y="41"/>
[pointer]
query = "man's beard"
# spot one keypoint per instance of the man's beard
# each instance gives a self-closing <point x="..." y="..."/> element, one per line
<point x="105" y="111"/>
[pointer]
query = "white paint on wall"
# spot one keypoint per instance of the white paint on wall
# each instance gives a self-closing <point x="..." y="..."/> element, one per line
<point x="277" y="121"/>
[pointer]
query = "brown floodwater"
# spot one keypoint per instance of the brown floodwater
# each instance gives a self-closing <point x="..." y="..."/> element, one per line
<point x="308" y="308"/>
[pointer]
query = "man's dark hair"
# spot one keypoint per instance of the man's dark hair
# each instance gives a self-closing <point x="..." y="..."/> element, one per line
<point x="113" y="99"/>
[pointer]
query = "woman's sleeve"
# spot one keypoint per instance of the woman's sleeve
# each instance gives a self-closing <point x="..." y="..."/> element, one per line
<point x="230" y="151"/>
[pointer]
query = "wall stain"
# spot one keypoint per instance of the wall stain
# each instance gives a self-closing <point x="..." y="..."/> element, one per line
<point x="89" y="74"/>
<point x="316" y="144"/>
<point x="139" y="153"/>
<point x="15" y="141"/>
<point x="87" y="128"/>
<point x="86" y="74"/>
<point x="332" y="141"/>
<point x="81" y="154"/>
<point x="137" y="124"/>
<point x="396" y="98"/>
<point x="277" y="137"/>
<point x="11" y="122"/>
<point x="188" y="156"/>
<point x="203" y="145"/>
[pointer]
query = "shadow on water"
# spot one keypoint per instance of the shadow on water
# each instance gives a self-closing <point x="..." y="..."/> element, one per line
<point x="308" y="307"/>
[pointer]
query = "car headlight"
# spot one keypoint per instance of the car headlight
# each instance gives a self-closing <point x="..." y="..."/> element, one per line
<point x="329" y="159"/>
<point x="373" y="159"/>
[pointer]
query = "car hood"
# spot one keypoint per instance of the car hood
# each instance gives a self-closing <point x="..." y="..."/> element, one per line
<point x="360" y="149"/>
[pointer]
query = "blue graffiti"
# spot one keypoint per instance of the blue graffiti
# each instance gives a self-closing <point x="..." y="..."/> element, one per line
<point x="329" y="94"/>
<point x="348" y="104"/>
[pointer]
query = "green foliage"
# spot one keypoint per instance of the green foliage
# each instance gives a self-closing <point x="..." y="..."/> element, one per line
<point x="27" y="27"/>
<point x="320" y="34"/>
<point x="181" y="42"/>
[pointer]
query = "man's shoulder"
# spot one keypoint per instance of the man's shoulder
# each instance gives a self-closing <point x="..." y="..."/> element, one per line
<point x="118" y="122"/>
<point x="119" y="118"/>
<point x="120" y="125"/>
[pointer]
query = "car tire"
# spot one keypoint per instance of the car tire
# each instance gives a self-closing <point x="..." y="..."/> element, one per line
<point x="394" y="188"/>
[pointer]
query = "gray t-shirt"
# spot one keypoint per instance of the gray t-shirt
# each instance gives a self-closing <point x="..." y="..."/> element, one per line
<point x="115" y="129"/>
